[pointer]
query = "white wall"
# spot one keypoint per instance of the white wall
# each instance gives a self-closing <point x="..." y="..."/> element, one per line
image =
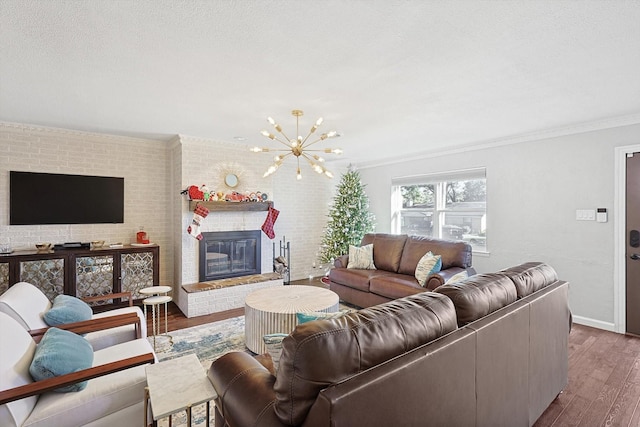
<point x="533" y="191"/>
<point x="142" y="163"/>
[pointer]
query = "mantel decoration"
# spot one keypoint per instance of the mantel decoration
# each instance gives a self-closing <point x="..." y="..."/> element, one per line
<point x="298" y="147"/>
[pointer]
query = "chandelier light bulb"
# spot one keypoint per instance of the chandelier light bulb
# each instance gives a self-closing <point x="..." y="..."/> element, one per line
<point x="318" y="158"/>
<point x="319" y="121"/>
<point x="270" y="120"/>
<point x="332" y="134"/>
<point x="258" y="149"/>
<point x="328" y="173"/>
<point x="277" y="158"/>
<point x="299" y="175"/>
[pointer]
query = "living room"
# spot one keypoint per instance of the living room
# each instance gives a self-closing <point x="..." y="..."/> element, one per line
<point x="551" y="139"/>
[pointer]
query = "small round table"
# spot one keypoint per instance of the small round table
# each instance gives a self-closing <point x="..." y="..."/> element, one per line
<point x="160" y="297"/>
<point x="273" y="310"/>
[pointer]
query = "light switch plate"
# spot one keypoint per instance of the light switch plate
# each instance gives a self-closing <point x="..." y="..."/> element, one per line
<point x="585" y="215"/>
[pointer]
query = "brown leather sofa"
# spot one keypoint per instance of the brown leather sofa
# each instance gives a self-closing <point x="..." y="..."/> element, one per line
<point x="396" y="257"/>
<point x="488" y="351"/>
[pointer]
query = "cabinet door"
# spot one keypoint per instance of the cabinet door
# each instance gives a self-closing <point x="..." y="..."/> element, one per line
<point x="137" y="272"/>
<point x="94" y="277"/>
<point x="45" y="274"/>
<point x="4" y="277"/>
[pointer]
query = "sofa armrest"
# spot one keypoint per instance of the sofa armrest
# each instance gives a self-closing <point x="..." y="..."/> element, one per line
<point x="245" y="391"/>
<point x="49" y="384"/>
<point x="94" y="325"/>
<point x="341" y="262"/>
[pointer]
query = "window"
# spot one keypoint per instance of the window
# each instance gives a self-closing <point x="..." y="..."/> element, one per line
<point x="449" y="206"/>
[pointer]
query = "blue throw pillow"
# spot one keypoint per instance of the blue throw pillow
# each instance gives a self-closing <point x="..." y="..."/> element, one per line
<point x="316" y="315"/>
<point x="61" y="352"/>
<point x="67" y="309"/>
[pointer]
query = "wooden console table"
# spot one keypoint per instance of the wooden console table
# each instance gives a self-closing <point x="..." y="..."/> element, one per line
<point x="84" y="272"/>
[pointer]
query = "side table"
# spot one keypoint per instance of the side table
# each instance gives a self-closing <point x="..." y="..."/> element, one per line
<point x="177" y="385"/>
<point x="273" y="310"/>
<point x="154" y="302"/>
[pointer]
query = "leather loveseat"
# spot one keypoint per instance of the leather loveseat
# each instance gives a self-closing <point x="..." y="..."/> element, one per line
<point x="396" y="257"/>
<point x="491" y="350"/>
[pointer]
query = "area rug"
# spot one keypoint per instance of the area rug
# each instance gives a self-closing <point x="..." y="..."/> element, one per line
<point x="208" y="342"/>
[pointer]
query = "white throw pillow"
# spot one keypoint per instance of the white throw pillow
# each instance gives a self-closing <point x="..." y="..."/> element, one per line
<point x="361" y="257"/>
<point x="428" y="264"/>
<point x="457" y="277"/>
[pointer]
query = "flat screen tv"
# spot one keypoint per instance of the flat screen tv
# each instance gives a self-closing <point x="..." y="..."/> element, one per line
<point x="48" y="198"/>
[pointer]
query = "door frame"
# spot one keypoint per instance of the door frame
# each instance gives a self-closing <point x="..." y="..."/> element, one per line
<point x="620" y="237"/>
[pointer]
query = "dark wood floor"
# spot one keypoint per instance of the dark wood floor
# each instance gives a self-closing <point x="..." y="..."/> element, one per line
<point x="604" y="375"/>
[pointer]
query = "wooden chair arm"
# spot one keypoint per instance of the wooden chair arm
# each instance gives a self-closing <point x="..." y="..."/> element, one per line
<point x="93" y="325"/>
<point x="121" y="295"/>
<point x="44" y="386"/>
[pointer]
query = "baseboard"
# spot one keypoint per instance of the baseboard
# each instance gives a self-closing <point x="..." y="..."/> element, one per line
<point x="586" y="321"/>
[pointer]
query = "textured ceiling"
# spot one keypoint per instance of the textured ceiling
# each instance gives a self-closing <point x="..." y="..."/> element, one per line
<point x="394" y="77"/>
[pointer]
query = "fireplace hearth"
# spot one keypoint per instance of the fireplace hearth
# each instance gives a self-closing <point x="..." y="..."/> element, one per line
<point x="229" y="254"/>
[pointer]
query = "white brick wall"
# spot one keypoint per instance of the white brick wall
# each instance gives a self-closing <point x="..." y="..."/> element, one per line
<point x="155" y="172"/>
<point x="142" y="163"/>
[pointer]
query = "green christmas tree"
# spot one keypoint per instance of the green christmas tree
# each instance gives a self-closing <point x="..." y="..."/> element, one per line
<point x="349" y="218"/>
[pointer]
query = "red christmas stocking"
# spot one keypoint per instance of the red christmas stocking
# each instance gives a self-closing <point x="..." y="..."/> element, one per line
<point x="199" y="214"/>
<point x="267" y="227"/>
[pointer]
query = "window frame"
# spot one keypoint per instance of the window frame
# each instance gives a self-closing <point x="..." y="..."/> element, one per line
<point x="440" y="209"/>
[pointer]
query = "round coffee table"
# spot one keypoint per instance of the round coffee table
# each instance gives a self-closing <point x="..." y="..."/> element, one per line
<point x="273" y="310"/>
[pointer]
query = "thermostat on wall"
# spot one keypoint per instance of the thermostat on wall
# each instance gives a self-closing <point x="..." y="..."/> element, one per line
<point x="601" y="215"/>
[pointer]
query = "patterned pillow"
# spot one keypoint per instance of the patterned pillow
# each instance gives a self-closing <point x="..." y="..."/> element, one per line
<point x="457" y="277"/>
<point x="428" y="264"/>
<point x="316" y="315"/>
<point x="361" y="257"/>
<point x="61" y="352"/>
<point x="273" y="342"/>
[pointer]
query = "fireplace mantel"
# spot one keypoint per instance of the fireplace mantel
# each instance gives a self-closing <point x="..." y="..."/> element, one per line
<point x="231" y="206"/>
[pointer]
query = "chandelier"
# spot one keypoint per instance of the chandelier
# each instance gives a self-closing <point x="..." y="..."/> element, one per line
<point x="298" y="147"/>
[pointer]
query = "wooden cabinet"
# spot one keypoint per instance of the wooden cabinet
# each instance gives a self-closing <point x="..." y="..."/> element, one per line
<point x="84" y="272"/>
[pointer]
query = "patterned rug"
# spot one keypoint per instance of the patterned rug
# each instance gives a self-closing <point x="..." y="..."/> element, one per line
<point x="208" y="342"/>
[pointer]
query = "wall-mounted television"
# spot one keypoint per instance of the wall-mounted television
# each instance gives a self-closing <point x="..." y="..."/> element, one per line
<point x="49" y="198"/>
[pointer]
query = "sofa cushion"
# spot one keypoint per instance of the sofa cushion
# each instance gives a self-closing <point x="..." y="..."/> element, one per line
<point x="428" y="264"/>
<point x="104" y="395"/>
<point x="453" y="254"/>
<point x="361" y="257"/>
<point x="14" y="369"/>
<point x="395" y="286"/>
<point x="479" y="295"/>
<point x="355" y="278"/>
<point x="317" y="354"/>
<point x="67" y="309"/>
<point x="61" y="352"/>
<point x="530" y="277"/>
<point x="387" y="250"/>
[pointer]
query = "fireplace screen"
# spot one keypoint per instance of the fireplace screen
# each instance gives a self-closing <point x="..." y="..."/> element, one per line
<point x="229" y="254"/>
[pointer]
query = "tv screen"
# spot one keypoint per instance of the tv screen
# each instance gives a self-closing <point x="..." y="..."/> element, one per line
<point x="48" y="198"/>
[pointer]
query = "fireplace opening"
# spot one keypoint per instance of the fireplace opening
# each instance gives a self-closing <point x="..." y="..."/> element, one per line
<point x="229" y="254"/>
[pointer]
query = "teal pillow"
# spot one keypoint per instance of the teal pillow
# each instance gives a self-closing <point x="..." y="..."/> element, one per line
<point x="316" y="315"/>
<point x="428" y="264"/>
<point x="61" y="352"/>
<point x="67" y="309"/>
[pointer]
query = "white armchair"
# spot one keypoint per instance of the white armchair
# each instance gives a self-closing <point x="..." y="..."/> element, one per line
<point x="27" y="304"/>
<point x="113" y="396"/>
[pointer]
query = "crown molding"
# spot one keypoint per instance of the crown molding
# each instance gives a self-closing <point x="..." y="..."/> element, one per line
<point x="116" y="139"/>
<point x="609" y="123"/>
